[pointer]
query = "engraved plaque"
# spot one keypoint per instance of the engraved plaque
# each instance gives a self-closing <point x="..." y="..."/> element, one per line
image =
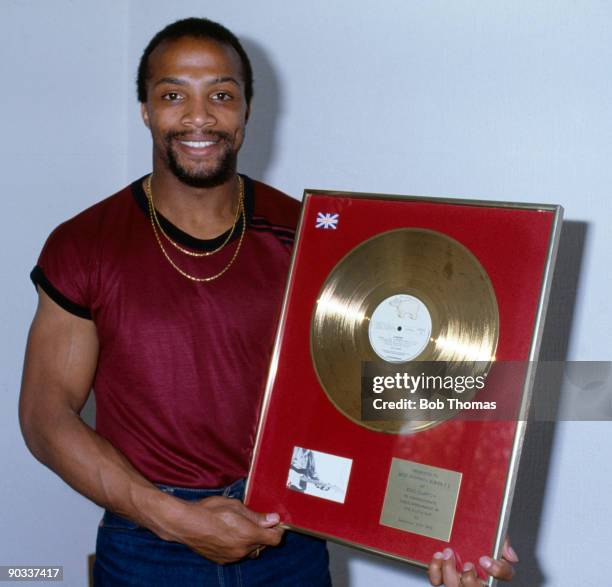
<point x="421" y="499"/>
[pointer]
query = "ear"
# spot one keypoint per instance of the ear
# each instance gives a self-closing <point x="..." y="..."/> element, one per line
<point x="247" y="113"/>
<point x="144" y="114"/>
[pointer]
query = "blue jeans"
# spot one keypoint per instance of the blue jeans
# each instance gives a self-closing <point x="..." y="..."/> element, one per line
<point x="129" y="555"/>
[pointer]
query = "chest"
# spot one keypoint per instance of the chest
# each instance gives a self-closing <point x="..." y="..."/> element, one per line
<point x="145" y="303"/>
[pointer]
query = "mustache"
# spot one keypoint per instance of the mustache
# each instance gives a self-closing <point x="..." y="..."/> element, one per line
<point x="191" y="136"/>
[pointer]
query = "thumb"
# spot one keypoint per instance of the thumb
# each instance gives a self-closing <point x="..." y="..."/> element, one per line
<point x="508" y="552"/>
<point x="269" y="520"/>
<point x="262" y="520"/>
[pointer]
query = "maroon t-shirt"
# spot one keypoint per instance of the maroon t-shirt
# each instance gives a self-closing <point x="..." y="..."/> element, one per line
<point x="182" y="365"/>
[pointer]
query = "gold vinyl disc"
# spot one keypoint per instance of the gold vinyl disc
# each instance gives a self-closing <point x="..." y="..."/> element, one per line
<point x="399" y="299"/>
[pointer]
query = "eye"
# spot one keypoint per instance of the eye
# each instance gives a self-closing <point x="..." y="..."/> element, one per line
<point x="172" y="96"/>
<point x="221" y="96"/>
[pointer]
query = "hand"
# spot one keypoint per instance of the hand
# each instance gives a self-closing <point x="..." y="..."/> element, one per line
<point x="224" y="530"/>
<point x="443" y="569"/>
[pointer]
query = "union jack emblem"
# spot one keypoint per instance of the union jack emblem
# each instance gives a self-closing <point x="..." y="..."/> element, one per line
<point x="327" y="220"/>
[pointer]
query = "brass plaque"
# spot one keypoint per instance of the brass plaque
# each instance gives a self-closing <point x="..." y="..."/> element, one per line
<point x="421" y="499"/>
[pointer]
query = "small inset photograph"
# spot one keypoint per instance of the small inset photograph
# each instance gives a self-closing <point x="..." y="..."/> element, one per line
<point x="319" y="474"/>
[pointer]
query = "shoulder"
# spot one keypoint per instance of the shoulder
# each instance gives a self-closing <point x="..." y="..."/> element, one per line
<point x="274" y="207"/>
<point x="67" y="265"/>
<point x="88" y="222"/>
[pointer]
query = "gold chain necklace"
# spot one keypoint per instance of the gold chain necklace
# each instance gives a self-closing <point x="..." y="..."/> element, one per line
<point x="241" y="212"/>
<point x="149" y="194"/>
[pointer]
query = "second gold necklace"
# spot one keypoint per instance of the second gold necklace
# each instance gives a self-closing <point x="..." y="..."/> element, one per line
<point x="239" y="214"/>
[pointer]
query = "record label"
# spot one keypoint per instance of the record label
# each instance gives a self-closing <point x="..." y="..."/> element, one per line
<point x="400" y="328"/>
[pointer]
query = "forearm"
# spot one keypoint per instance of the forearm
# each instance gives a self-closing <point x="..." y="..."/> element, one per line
<point x="59" y="368"/>
<point x="92" y="466"/>
<point x="220" y="529"/>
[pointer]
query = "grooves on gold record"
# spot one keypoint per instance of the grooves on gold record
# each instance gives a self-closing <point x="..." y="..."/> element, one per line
<point x="397" y="299"/>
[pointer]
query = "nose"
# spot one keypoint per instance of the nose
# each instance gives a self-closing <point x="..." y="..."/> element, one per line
<point x="198" y="114"/>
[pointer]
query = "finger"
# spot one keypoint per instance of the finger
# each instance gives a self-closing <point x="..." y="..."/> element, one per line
<point x="509" y="553"/>
<point x="263" y="520"/>
<point x="450" y="576"/>
<point x="500" y="569"/>
<point x="269" y="520"/>
<point x="266" y="536"/>
<point x="253" y="529"/>
<point x="469" y="578"/>
<point x="255" y="553"/>
<point x="434" y="572"/>
<point x="260" y="529"/>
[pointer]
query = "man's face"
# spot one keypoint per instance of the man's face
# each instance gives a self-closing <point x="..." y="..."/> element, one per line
<point x="196" y="110"/>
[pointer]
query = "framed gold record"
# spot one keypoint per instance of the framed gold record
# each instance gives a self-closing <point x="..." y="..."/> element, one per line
<point x="385" y="295"/>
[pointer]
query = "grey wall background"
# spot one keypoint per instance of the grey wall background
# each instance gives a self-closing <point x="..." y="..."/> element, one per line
<point x="492" y="100"/>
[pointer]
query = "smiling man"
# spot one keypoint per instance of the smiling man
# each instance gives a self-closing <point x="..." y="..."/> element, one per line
<point x="163" y="298"/>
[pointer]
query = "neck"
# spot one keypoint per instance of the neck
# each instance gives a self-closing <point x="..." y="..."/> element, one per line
<point x="204" y="213"/>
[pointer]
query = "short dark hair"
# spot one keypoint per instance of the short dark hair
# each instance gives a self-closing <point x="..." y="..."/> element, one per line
<point x="198" y="28"/>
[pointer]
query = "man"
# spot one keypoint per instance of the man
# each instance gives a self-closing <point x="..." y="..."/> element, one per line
<point x="303" y="470"/>
<point x="164" y="298"/>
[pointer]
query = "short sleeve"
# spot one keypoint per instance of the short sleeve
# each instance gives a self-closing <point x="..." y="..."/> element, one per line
<point x="63" y="270"/>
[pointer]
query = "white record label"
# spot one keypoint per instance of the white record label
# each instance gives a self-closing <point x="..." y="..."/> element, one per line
<point x="400" y="328"/>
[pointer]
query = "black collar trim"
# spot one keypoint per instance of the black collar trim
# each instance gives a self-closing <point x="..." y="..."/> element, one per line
<point x="184" y="238"/>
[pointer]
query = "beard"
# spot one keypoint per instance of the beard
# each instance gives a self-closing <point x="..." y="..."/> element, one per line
<point x="223" y="169"/>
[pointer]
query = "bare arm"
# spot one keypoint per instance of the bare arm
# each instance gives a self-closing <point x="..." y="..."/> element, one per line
<point x="60" y="364"/>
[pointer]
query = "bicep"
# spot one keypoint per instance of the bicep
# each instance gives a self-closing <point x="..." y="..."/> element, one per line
<point x="60" y="362"/>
